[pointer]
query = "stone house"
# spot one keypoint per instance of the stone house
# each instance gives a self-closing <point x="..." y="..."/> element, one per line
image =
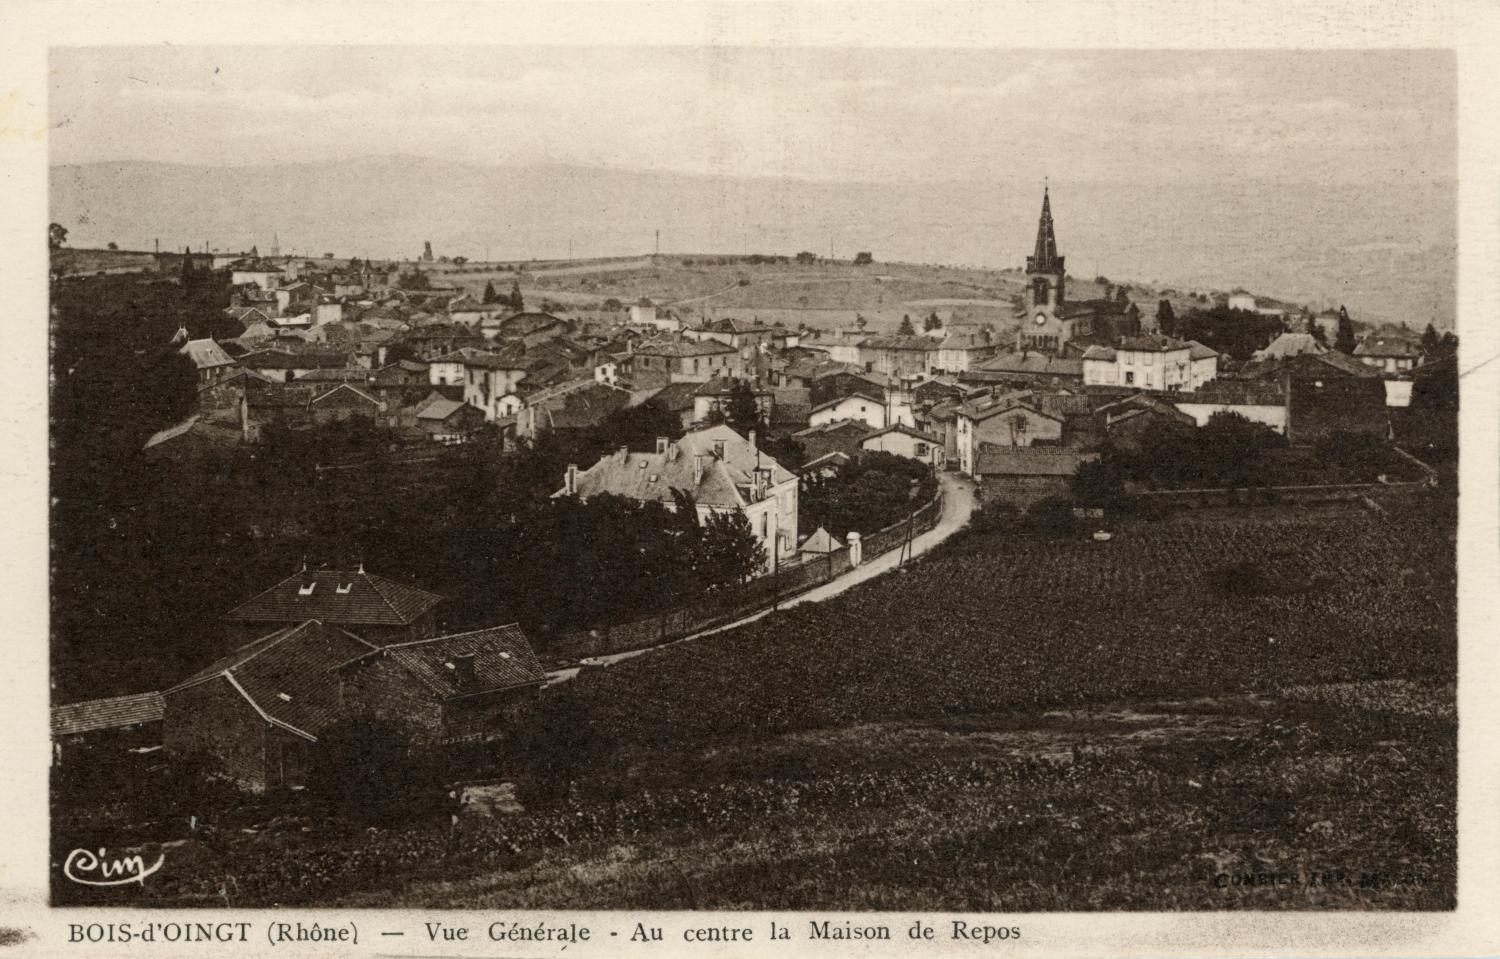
<point x="1023" y="475"/>
<point x="682" y="361"/>
<point x="1004" y="421"/>
<point x="257" y="712"/>
<point x="464" y="687"/>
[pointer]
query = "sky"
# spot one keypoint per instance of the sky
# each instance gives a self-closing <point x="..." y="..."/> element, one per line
<point x="834" y="115"/>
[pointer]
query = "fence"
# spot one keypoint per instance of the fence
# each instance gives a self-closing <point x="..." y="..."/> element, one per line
<point x="727" y="605"/>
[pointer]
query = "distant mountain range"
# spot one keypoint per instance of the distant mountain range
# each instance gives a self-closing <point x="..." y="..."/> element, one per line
<point x="1385" y="250"/>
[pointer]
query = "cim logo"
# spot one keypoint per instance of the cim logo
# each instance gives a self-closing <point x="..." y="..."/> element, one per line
<point x="97" y="869"/>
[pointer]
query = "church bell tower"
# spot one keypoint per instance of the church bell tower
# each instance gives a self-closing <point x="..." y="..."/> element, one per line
<point x="1041" y="325"/>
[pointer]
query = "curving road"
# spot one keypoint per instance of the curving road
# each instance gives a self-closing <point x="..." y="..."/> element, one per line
<point x="958" y="504"/>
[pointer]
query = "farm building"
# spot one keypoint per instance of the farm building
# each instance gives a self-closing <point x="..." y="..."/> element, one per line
<point x="379" y="609"/>
<point x="463" y="687"/>
<point x="121" y="721"/>
<point x="256" y="712"/>
<point x="1023" y="475"/>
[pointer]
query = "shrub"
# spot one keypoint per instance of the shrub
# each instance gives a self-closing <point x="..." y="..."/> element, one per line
<point x="366" y="772"/>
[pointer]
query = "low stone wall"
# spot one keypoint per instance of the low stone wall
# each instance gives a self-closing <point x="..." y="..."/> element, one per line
<point x="725" y="606"/>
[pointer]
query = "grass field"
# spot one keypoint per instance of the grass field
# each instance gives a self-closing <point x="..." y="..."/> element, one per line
<point x="1018" y="722"/>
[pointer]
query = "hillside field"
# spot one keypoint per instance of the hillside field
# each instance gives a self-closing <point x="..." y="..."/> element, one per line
<point x="1020" y="721"/>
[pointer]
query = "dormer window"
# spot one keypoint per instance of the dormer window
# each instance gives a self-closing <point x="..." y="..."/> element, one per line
<point x="307" y="590"/>
<point x="344" y="589"/>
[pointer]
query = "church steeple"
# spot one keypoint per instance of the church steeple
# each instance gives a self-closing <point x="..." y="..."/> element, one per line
<point x="1045" y="259"/>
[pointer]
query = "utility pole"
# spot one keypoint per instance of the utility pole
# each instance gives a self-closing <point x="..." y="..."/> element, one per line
<point x="658" y="243"/>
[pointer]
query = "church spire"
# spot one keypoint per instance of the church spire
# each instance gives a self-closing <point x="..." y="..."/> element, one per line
<point x="1045" y="259"/>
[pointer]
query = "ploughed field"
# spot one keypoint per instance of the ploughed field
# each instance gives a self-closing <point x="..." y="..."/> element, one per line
<point x="1249" y="711"/>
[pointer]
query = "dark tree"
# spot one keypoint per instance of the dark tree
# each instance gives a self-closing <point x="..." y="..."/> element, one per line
<point x="1344" y="340"/>
<point x="57" y="235"/>
<point x="517" y="302"/>
<point x="933" y="322"/>
<point x="741" y="411"/>
<point x="906" y="329"/>
<point x="730" y="551"/>
<point x="863" y="258"/>
<point x="112" y="245"/>
<point x="1166" y="318"/>
<point x="364" y="773"/>
<point x="807" y="258"/>
<point x="415" y="280"/>
<point x="490" y="295"/>
<point x="1430" y="340"/>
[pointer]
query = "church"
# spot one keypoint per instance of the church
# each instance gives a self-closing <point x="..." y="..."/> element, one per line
<point x="1052" y="324"/>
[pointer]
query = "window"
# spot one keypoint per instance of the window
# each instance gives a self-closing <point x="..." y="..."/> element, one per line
<point x="1129" y="377"/>
<point x="921" y="449"/>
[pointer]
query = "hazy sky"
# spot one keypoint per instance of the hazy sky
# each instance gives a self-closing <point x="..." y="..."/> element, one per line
<point x="818" y="114"/>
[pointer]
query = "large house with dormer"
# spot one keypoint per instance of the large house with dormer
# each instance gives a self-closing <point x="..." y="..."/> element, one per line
<point x="722" y="470"/>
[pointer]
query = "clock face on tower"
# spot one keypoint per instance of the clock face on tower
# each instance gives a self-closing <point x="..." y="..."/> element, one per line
<point x="1041" y="319"/>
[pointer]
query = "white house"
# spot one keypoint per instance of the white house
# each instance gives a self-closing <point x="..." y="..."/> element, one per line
<point x="1240" y="300"/>
<point x="905" y="441"/>
<point x="862" y="407"/>
<point x="1150" y="362"/>
<point x="643" y="313"/>
<point x="490" y="381"/>
<point x="960" y="352"/>
<point x="721" y="469"/>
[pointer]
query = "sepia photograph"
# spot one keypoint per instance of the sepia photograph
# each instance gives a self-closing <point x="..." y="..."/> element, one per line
<point x="751" y="478"/>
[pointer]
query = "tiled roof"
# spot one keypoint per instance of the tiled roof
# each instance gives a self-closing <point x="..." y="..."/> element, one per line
<point x="835" y="426"/>
<point x="857" y="395"/>
<point x="287" y="676"/>
<point x="113" y="713"/>
<point x="439" y="409"/>
<point x="723" y="483"/>
<point x="676" y="396"/>
<point x="340" y="597"/>
<point x="1290" y="344"/>
<point x="680" y="348"/>
<point x="1151" y="343"/>
<point x="206" y="354"/>
<point x="345" y="390"/>
<point x="1384" y="346"/>
<point x="1197" y="351"/>
<point x="822" y="541"/>
<point x="285" y="360"/>
<point x="1029" y="461"/>
<point x="502" y="657"/>
<point x="1100" y="353"/>
<point x="1033" y="363"/>
<point x="922" y="344"/>
<point x="1345" y="363"/>
<point x="903" y="428"/>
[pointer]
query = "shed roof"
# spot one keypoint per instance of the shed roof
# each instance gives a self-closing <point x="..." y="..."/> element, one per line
<point x="115" y="712"/>
<point x="502" y="659"/>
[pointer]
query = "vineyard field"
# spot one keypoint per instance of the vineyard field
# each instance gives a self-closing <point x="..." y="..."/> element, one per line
<point x="1173" y="608"/>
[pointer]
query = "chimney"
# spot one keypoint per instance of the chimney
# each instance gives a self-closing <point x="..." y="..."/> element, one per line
<point x="661" y="444"/>
<point x="570" y="479"/>
<point x="624" y="453"/>
<point x="752" y="441"/>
